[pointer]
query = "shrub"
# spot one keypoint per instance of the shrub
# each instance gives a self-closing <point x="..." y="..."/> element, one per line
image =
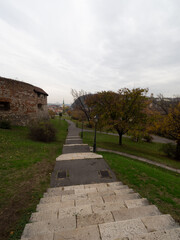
<point x="5" y="124"/>
<point x="136" y="136"/>
<point x="43" y="131"/>
<point x="148" y="138"/>
<point x="169" y="149"/>
<point x="88" y="125"/>
<point x="52" y="114"/>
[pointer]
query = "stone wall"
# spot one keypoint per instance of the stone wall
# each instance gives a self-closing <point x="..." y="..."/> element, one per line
<point x="22" y="103"/>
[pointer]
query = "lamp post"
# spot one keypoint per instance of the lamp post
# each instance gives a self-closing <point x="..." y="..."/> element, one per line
<point x="82" y="129"/>
<point x="96" y="121"/>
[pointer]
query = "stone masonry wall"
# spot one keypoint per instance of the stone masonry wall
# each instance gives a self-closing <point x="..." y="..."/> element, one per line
<point x="22" y="103"/>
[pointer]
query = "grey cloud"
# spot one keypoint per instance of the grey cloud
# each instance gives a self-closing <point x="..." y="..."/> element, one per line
<point x="94" y="44"/>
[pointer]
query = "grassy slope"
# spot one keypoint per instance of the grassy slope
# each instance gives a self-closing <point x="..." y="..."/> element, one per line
<point x="159" y="186"/>
<point x="25" y="168"/>
<point x="150" y="151"/>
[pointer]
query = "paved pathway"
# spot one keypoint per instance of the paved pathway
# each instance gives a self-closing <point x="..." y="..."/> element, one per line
<point x="103" y="210"/>
<point x="155" y="138"/>
<point x="78" y="163"/>
<point x="140" y="159"/>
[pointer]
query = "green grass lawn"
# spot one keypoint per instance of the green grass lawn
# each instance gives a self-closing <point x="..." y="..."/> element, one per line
<point x="25" y="168"/>
<point x="150" y="151"/>
<point x="161" y="187"/>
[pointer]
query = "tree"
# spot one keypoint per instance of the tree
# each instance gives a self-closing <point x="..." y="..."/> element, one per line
<point x="120" y="111"/>
<point x="161" y="108"/>
<point x="79" y="102"/>
<point x="163" y="105"/>
<point x="52" y="114"/>
<point x="172" y="127"/>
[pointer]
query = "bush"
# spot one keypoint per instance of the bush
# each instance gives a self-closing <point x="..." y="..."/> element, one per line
<point x="5" y="124"/>
<point x="169" y="149"/>
<point x="88" y="125"/>
<point x="52" y="114"/>
<point x="136" y="136"/>
<point x="148" y="138"/>
<point x="43" y="131"/>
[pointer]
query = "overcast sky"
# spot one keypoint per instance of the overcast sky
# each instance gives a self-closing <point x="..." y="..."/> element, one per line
<point x="92" y="45"/>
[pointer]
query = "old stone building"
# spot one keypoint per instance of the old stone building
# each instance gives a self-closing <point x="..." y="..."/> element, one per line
<point x="22" y="103"/>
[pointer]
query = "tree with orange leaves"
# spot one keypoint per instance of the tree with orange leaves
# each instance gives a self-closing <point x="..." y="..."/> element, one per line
<point x="172" y="127"/>
<point x="120" y="110"/>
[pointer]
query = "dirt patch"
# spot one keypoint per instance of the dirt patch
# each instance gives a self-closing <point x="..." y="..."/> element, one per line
<point x="24" y="198"/>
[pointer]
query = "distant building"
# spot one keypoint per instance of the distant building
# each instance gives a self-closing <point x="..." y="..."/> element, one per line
<point x="55" y="108"/>
<point x="22" y="103"/>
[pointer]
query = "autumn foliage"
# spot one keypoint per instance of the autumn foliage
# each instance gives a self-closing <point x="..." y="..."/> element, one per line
<point x="172" y="127"/>
<point x="121" y="111"/>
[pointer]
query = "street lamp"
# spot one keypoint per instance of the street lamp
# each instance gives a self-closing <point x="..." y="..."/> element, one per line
<point x="96" y="121"/>
<point x="82" y="129"/>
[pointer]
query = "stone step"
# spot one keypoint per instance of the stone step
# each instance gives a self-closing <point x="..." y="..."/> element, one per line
<point x="85" y="233"/>
<point x="75" y="148"/>
<point x="99" y="186"/>
<point x="40" y="236"/>
<point x="128" y="228"/>
<point x="104" y="199"/>
<point x="92" y="233"/>
<point x="86" y="216"/>
<point x="58" y="193"/>
<point x="170" y="234"/>
<point x="96" y="207"/>
<point x="115" y="198"/>
<point x="94" y="219"/>
<point x="120" y="215"/>
<point x="73" y="141"/>
<point x="73" y="138"/>
<point x="55" y="212"/>
<point x="132" y="203"/>
<point x="66" y="228"/>
<point x="108" y="206"/>
<point x="71" y="194"/>
<point x="96" y="194"/>
<point x="88" y="199"/>
<point x="56" y="199"/>
<point x="48" y="227"/>
<point x="78" y="156"/>
<point x="132" y="213"/>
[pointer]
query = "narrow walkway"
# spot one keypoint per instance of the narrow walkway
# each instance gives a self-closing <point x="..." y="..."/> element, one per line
<point x="140" y="159"/>
<point x="103" y="210"/>
<point x="78" y="164"/>
<point x="156" y="139"/>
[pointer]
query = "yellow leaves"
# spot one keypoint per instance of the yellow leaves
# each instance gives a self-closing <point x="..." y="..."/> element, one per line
<point x="172" y="123"/>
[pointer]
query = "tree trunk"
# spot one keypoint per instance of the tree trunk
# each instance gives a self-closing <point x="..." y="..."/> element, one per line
<point x="120" y="138"/>
<point x="178" y="151"/>
<point x="120" y="135"/>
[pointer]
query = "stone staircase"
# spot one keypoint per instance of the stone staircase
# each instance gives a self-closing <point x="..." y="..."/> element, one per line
<point x="106" y="211"/>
